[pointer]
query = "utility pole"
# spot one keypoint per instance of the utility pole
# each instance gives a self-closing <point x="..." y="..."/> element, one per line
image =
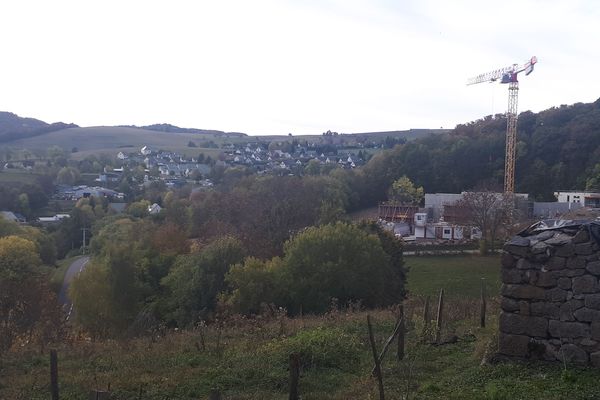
<point x="83" y="247"/>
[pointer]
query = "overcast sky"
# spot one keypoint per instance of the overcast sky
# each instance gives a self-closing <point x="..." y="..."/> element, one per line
<point x="303" y="66"/>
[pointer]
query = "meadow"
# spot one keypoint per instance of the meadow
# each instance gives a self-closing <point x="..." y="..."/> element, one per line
<point x="248" y="358"/>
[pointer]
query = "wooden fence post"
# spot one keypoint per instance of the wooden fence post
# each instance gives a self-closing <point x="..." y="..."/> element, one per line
<point x="400" y="353"/>
<point x="438" y="324"/>
<point x="426" y="316"/>
<point x="483" y="304"/>
<point x="376" y="358"/>
<point x="54" y="374"/>
<point x="294" y="375"/>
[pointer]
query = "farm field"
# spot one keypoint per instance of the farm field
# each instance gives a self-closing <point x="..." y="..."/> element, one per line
<point x="248" y="359"/>
<point x="113" y="139"/>
<point x="17" y="177"/>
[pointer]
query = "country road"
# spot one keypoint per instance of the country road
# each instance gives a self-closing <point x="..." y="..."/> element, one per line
<point x="63" y="297"/>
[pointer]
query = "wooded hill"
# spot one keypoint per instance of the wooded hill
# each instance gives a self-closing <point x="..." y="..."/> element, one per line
<point x="13" y="127"/>
<point x="557" y="149"/>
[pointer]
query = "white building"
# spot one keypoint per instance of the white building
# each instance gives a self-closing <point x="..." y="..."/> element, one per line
<point x="585" y="199"/>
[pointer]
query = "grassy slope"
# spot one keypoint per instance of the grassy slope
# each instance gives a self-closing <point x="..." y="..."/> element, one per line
<point x="113" y="139"/>
<point x="18" y="177"/>
<point x="252" y="363"/>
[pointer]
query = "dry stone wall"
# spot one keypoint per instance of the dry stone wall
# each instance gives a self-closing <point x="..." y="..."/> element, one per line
<point x="551" y="296"/>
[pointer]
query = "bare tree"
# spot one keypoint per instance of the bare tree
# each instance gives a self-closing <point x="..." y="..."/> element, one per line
<point x="488" y="211"/>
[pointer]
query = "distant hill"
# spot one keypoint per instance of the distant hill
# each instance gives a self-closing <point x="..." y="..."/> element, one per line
<point x="408" y="134"/>
<point x="112" y="139"/>
<point x="13" y="127"/>
<point x="176" y="129"/>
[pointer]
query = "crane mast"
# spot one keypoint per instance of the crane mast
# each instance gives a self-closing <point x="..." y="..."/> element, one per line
<point x="509" y="75"/>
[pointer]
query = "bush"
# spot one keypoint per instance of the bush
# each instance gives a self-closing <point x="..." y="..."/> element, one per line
<point x="318" y="348"/>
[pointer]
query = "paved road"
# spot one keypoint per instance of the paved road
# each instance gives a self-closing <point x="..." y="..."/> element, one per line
<point x="75" y="268"/>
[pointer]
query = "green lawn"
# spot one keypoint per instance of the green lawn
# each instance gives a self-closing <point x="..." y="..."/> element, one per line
<point x="19" y="177"/>
<point x="458" y="275"/>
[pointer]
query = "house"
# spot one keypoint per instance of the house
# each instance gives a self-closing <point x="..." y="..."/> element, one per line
<point x="122" y="156"/>
<point x="154" y="209"/>
<point x="145" y="151"/>
<point x="585" y="199"/>
<point x="53" y="219"/>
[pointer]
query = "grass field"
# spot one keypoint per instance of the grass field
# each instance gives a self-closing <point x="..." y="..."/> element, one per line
<point x="248" y="358"/>
<point x="17" y="177"/>
<point x="458" y="275"/>
<point x="114" y="139"/>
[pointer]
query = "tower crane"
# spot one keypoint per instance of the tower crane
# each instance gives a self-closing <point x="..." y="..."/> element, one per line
<point x="508" y="75"/>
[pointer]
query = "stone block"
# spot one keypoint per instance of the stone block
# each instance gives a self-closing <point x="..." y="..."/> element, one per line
<point x="523" y="325"/>
<point x="523" y="291"/>
<point x="546" y="279"/>
<point x="592" y="301"/>
<point x="518" y="246"/>
<point x="509" y="305"/>
<point x="595" y="330"/>
<point x="540" y="248"/>
<point x="592" y="257"/>
<point x="511" y="276"/>
<point x="543" y="309"/>
<point x="507" y="260"/>
<point x="545" y="235"/>
<point x="556" y="294"/>
<point x="584" y="249"/>
<point x="587" y="315"/>
<point x="541" y="258"/>
<point x="595" y="359"/>
<point x="569" y="295"/>
<point x="556" y="263"/>
<point x="565" y="250"/>
<point x="567" y="309"/>
<point x="575" y="262"/>
<point x="564" y="283"/>
<point x="571" y="353"/>
<point x="513" y="345"/>
<point x="593" y="267"/>
<point x="524" y="308"/>
<point x="559" y="239"/>
<point x="568" y="330"/>
<point x="581" y="237"/>
<point x="522" y="263"/>
<point x="571" y="272"/>
<point x="585" y="284"/>
<point x="587" y="342"/>
<point x="530" y="276"/>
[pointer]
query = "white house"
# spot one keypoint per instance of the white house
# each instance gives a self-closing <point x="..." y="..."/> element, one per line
<point x="585" y="199"/>
<point x="154" y="209"/>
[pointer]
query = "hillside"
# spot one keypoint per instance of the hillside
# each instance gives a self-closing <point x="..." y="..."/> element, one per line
<point x="557" y="149"/>
<point x="13" y="127"/>
<point x="112" y="139"/>
<point x="176" y="129"/>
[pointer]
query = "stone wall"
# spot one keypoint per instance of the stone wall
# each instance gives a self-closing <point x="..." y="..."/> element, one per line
<point x="551" y="296"/>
